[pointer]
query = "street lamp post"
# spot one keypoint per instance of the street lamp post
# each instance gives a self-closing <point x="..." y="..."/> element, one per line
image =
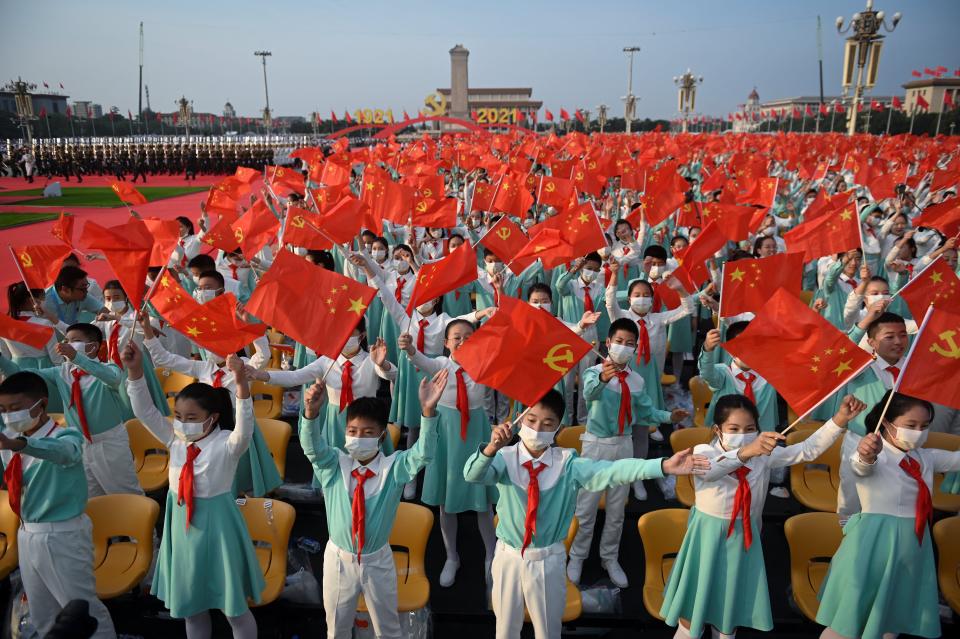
<point x="266" y="94"/>
<point x="602" y="116"/>
<point x="629" y="100"/>
<point x="687" y="97"/>
<point x="185" y="113"/>
<point x="24" y="102"/>
<point x="861" y="57"/>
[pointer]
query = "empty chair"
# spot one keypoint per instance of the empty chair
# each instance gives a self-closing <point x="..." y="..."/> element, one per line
<point x="813" y="539"/>
<point x="681" y="440"/>
<point x="946" y="533"/>
<point x="269" y="522"/>
<point x="701" y="395"/>
<point x="150" y="457"/>
<point x="662" y="532"/>
<point x="947" y="502"/>
<point x="267" y="400"/>
<point x="172" y="382"/>
<point x="277" y="435"/>
<point x="9" y="523"/>
<point x="123" y="527"/>
<point x="569" y="437"/>
<point x="813" y="485"/>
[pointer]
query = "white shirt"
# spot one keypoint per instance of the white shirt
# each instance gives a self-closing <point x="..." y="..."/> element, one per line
<point x="554" y="458"/>
<point x="25" y="458"/>
<point x="734" y="370"/>
<point x="433" y="365"/>
<point x="380" y="466"/>
<point x="657" y="323"/>
<point x="364" y="375"/>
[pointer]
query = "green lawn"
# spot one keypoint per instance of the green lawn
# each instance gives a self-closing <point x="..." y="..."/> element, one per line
<point x="98" y="196"/>
<point x="10" y="220"/>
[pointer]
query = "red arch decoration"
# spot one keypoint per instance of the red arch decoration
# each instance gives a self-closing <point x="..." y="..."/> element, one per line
<point x="351" y="129"/>
<point x="399" y="126"/>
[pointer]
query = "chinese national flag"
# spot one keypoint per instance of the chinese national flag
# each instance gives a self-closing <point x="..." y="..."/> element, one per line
<point x="945" y="217"/>
<point x="34" y="335"/>
<point x="170" y="299"/>
<point x="512" y="196"/>
<point x="322" y="320"/>
<point x="310" y="155"/>
<point x="128" y="248"/>
<point x="657" y="205"/>
<point x="41" y="263"/>
<point x="388" y="200"/>
<point x="343" y="221"/>
<point x="579" y="227"/>
<point x="549" y="116"/>
<point x="216" y="327"/>
<point x="762" y="193"/>
<point x="255" y="229"/>
<point x="937" y="284"/>
<point x="439" y="214"/>
<point x="299" y="231"/>
<point x="482" y="196"/>
<point x="331" y="175"/>
<point x="735" y="222"/>
<point x="128" y="194"/>
<point x="166" y="235"/>
<point x="437" y="278"/>
<point x="221" y="203"/>
<point x="222" y="235"/>
<point x="825" y="235"/>
<point x="922" y="102"/>
<point x="286" y="177"/>
<point x="555" y="192"/>
<point x="247" y="175"/>
<point x="506" y="239"/>
<point x="693" y="259"/>
<point x="930" y="371"/>
<point x="521" y="351"/>
<point x="63" y="228"/>
<point x="801" y="354"/>
<point x="748" y="284"/>
<point x="548" y="245"/>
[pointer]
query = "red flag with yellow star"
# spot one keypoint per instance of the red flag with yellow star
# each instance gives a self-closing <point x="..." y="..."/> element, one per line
<point x="247" y="175"/>
<point x="800" y="353"/>
<point x="512" y="196"/>
<point x="128" y="248"/>
<point x="222" y="236"/>
<point x="41" y="263"/>
<point x="693" y="259"/>
<point x="521" y="351"/>
<point x="945" y="217"/>
<point x="128" y="194"/>
<point x="314" y="306"/>
<point x="388" y="200"/>
<point x="826" y="235"/>
<point x="171" y="300"/>
<point x="166" y="235"/>
<point x="748" y="284"/>
<point x="578" y="226"/>
<point x="437" y="278"/>
<point x="549" y="246"/>
<point x="934" y="356"/>
<point x="937" y="284"/>
<point x="216" y="327"/>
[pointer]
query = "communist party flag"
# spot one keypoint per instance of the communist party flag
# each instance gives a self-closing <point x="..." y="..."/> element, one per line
<point x="20" y="330"/>
<point x="748" y="284"/>
<point x="128" y="248"/>
<point x="555" y="192"/>
<point x="800" y="353"/>
<point x="247" y="175"/>
<point x="166" y="235"/>
<point x="170" y="299"/>
<point x="547" y="245"/>
<point x="342" y="222"/>
<point x="300" y="230"/>
<point x="512" y="196"/>
<point x="63" y="228"/>
<point x="128" y="194"/>
<point x="937" y="284"/>
<point x="286" y="177"/>
<point x="945" y="217"/>
<point x="521" y="351"/>
<point x="439" y="214"/>
<point x="216" y="327"/>
<point x="693" y="259"/>
<point x="935" y="355"/>
<point x="255" y="229"/>
<point x="506" y="239"/>
<point x="735" y="222"/>
<point x="826" y="235"/>
<point x="321" y="320"/>
<point x="41" y="263"/>
<point x="437" y="278"/>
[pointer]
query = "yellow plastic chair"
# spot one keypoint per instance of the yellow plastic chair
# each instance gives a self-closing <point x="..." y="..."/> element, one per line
<point x="806" y="297"/>
<point x="394" y="432"/>
<point x="9" y="523"/>
<point x="269" y="529"/>
<point x="58" y="418"/>
<point x="662" y="533"/>
<point x="946" y="532"/>
<point x="277" y="434"/>
<point x="813" y="539"/>
<point x="701" y="395"/>
<point x="946" y="502"/>
<point x="151" y="459"/>
<point x="172" y="382"/>
<point x="123" y="527"/>
<point x="816" y="488"/>
<point x="682" y="440"/>
<point x="267" y="400"/>
<point x="569" y="437"/>
<point x="408" y="540"/>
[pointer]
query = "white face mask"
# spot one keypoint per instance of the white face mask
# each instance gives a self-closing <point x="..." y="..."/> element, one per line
<point x="733" y="441"/>
<point x="115" y="306"/>
<point x="873" y="299"/>
<point x="378" y="254"/>
<point x="361" y="448"/>
<point x="352" y="345"/>
<point x="205" y="295"/>
<point x="401" y="265"/>
<point x="768" y="231"/>
<point x="189" y="431"/>
<point x="621" y="353"/>
<point x="436" y="233"/>
<point x="655" y="271"/>
<point x="425" y="309"/>
<point x="536" y="440"/>
<point x="543" y="306"/>
<point x="21" y="421"/>
<point x="589" y="275"/>
<point x="908" y="438"/>
<point x="641" y="305"/>
<point x="80" y="347"/>
<point x="493" y="267"/>
<point x="196" y="279"/>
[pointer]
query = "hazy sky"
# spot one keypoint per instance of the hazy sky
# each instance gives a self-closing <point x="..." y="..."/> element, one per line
<point x="378" y="54"/>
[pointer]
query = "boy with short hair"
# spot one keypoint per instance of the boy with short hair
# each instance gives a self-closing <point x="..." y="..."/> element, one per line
<point x="43" y="470"/>
<point x="71" y="296"/>
<point x="538" y="490"/>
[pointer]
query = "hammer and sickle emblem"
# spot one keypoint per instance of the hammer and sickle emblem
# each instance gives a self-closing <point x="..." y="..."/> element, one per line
<point x="551" y="187"/>
<point x="559" y="353"/>
<point x="592" y="165"/>
<point x="298" y="222"/>
<point x="579" y="176"/>
<point x="503" y="233"/>
<point x="427" y="192"/>
<point x="422" y="206"/>
<point x="238" y="234"/>
<point x="436" y="104"/>
<point x="952" y="349"/>
<point x="26" y="260"/>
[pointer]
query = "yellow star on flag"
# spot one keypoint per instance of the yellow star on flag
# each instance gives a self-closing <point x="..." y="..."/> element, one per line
<point x="357" y="306"/>
<point x="842" y="367"/>
<point x="936" y="277"/>
<point x="192" y="331"/>
<point x="737" y="275"/>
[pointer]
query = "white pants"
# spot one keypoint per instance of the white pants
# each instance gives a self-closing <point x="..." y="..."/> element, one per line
<point x="343" y="581"/>
<point x="108" y="464"/>
<point x="537" y="579"/>
<point x="56" y="566"/>
<point x="578" y="412"/>
<point x="608" y="449"/>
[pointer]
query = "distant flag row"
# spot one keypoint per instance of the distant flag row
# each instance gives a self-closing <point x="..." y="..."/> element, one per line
<point x="937" y="72"/>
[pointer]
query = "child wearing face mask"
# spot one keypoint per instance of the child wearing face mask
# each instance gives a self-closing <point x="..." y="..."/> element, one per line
<point x="618" y="403"/>
<point x="839" y="280"/>
<point x="188" y="246"/>
<point x="718" y="578"/>
<point x="91" y="393"/>
<point x="362" y="489"/>
<point x="44" y="475"/>
<point x="882" y="580"/>
<point x="206" y="559"/>
<point x="21" y="306"/>
<point x="457" y="301"/>
<point x="201" y="266"/>
<point x="235" y="268"/>
<point x="398" y="279"/>
<point x="538" y="486"/>
<point x="626" y="251"/>
<point x="494" y="275"/>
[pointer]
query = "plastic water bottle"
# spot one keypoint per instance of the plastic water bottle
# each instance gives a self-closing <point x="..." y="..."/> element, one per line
<point x="312" y="546"/>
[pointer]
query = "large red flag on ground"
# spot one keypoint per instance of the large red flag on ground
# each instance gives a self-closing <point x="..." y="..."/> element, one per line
<point x="128" y="248"/>
<point x="63" y="228"/>
<point x="826" y="235"/>
<point x="255" y="229"/>
<point x="128" y="194"/>
<point x="937" y="284"/>
<point x="321" y="320"/>
<point x="945" y="217"/>
<point x="930" y="371"/>
<point x="437" y="278"/>
<point x="521" y="351"/>
<point x="693" y="259"/>
<point x="801" y="354"/>
<point x="505" y="239"/>
<point x="41" y="263"/>
<point x="22" y="331"/>
<point x="216" y="327"/>
<point x="748" y="284"/>
<point x="171" y="300"/>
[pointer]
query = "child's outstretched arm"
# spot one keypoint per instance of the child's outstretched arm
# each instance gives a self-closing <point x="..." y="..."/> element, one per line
<point x="239" y="439"/>
<point x="485" y="466"/>
<point x="140" y="400"/>
<point x="415" y="458"/>
<point x="418" y="359"/>
<point x="321" y="456"/>
<point x="600" y="475"/>
<point x="825" y="436"/>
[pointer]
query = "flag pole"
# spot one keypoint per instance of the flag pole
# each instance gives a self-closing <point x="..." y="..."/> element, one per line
<point x="889" y="117"/>
<point x="143" y="305"/>
<point x="22" y="276"/>
<point x="906" y="364"/>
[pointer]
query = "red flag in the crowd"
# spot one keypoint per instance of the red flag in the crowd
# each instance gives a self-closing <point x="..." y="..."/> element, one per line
<point x="287" y="177"/>
<point x="450" y="273"/>
<point x="128" y="248"/>
<point x="922" y="102"/>
<point x="656" y="206"/>
<point x="549" y="116"/>
<point x="930" y="371"/>
<point x="945" y="217"/>
<point x="896" y="103"/>
<point x="344" y="219"/>
<point x="128" y="194"/>
<point x="222" y="236"/>
<point x="247" y="175"/>
<point x="41" y="263"/>
<point x="255" y="229"/>
<point x="549" y="246"/>
<point x="216" y="327"/>
<point x="798" y="352"/>
<point x="388" y="200"/>
<point x="937" y="284"/>
<point x="563" y="114"/>
<point x="221" y="203"/>
<point x="512" y="196"/>
<point x="63" y="228"/>
<point x="24" y="332"/>
<point x="762" y="193"/>
<point x="521" y="351"/>
<point x="735" y="222"/>
<point x="826" y="235"/>
<point x="941" y="179"/>
<point x="166" y="235"/>
<point x="506" y="239"/>
<point x="693" y="259"/>
<point x="554" y="191"/>
<point x="438" y="214"/>
<point x="579" y="227"/>
<point x="309" y="155"/>
<point x="322" y="320"/>
<point x="748" y="284"/>
<point x="170" y="299"/>
<point x="301" y="230"/>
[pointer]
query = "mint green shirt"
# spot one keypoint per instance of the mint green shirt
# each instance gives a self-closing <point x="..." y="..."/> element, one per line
<point x="559" y="486"/>
<point x="603" y="404"/>
<point x="721" y="378"/>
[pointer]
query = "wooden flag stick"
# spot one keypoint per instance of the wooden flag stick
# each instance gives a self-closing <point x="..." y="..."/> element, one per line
<point x="143" y="305"/>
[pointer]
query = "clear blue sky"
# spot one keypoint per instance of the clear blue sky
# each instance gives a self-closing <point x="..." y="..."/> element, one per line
<point x="377" y="54"/>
